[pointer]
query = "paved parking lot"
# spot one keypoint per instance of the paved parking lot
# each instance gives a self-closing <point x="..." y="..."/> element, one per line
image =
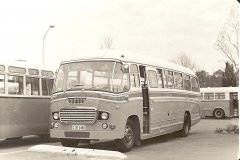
<point x="202" y="143"/>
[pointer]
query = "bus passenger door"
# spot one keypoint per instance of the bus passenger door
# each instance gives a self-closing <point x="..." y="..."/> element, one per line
<point x="234" y="111"/>
<point x="145" y="95"/>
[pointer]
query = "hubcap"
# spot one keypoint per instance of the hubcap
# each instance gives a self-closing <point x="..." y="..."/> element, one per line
<point x="128" y="135"/>
<point x="218" y="113"/>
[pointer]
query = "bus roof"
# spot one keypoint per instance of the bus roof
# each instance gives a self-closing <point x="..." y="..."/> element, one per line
<point x="11" y="67"/>
<point x="219" y="89"/>
<point x="134" y="58"/>
<point x="27" y="65"/>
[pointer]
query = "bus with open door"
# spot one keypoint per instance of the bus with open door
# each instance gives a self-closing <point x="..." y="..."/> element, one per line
<point x="126" y="98"/>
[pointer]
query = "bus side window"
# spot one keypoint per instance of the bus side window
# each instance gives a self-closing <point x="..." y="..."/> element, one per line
<point x="208" y="96"/>
<point x="2" y="82"/>
<point x="15" y="85"/>
<point x="170" y="79"/>
<point x="219" y="95"/>
<point x="178" y="80"/>
<point x="120" y="82"/>
<point x="134" y="76"/>
<point x="32" y="86"/>
<point x="186" y="82"/>
<point x="152" y="78"/>
<point x="195" y="86"/>
<point x="165" y="80"/>
<point x="47" y="85"/>
<point x="201" y="95"/>
<point x="160" y="78"/>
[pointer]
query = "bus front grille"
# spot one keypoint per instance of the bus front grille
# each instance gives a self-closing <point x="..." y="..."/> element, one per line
<point x="82" y="115"/>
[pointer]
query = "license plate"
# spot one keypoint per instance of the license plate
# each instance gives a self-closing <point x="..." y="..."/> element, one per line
<point x="78" y="127"/>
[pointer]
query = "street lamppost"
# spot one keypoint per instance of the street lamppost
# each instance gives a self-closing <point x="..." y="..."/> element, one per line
<point x="43" y="43"/>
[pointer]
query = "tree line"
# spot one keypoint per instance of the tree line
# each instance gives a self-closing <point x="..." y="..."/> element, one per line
<point x="227" y="43"/>
<point x="226" y="78"/>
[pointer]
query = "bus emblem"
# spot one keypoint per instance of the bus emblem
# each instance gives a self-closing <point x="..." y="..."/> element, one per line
<point x="76" y="100"/>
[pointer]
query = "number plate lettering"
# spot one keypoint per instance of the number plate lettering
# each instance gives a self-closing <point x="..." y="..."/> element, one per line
<point x="78" y="127"/>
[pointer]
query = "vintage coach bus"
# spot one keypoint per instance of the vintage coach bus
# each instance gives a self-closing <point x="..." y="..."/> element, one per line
<point x="125" y="98"/>
<point x="24" y="101"/>
<point x="219" y="102"/>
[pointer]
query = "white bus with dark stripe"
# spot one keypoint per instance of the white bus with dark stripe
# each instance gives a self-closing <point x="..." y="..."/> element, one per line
<point x="24" y="100"/>
<point x="121" y="97"/>
<point x="219" y="102"/>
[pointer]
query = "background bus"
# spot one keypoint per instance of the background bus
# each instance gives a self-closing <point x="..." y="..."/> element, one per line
<point x="219" y="102"/>
<point x="115" y="96"/>
<point x="24" y="101"/>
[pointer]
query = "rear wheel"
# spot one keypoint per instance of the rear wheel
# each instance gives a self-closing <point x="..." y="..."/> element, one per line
<point x="186" y="126"/>
<point x="218" y="113"/>
<point x="69" y="142"/>
<point x="127" y="142"/>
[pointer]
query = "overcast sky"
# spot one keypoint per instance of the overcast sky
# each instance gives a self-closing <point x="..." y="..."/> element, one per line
<point x="158" y="28"/>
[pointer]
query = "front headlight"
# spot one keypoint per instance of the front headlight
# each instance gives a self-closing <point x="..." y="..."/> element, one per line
<point x="55" y="115"/>
<point x="103" y="115"/>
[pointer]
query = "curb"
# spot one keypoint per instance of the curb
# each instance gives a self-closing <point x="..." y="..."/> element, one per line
<point x="80" y="152"/>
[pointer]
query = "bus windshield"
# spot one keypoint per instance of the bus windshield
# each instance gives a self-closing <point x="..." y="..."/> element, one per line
<point x="92" y="75"/>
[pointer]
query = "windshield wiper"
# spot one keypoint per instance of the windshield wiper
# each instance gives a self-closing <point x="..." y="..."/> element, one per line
<point x="57" y="91"/>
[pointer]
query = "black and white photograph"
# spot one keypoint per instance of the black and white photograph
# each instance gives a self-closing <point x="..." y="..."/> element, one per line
<point x="119" y="80"/>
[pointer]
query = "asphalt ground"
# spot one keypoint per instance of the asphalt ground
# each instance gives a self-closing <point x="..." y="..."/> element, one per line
<point x="202" y="143"/>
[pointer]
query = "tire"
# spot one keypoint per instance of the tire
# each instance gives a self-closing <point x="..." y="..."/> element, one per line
<point x="69" y="142"/>
<point x="127" y="142"/>
<point x="218" y="113"/>
<point x="186" y="126"/>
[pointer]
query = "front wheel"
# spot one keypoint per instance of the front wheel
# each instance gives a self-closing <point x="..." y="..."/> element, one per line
<point x="127" y="142"/>
<point x="186" y="126"/>
<point x="69" y="142"/>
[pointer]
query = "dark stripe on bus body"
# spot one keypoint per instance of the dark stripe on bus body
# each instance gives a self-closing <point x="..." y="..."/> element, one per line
<point x="223" y="100"/>
<point x="91" y="95"/>
<point x="162" y="94"/>
<point x="123" y="97"/>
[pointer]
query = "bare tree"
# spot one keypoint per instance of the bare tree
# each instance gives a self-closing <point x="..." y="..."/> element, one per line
<point x="183" y="60"/>
<point x="228" y="39"/>
<point x="107" y="43"/>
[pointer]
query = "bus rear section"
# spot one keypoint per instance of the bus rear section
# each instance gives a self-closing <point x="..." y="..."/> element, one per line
<point x="24" y="100"/>
<point x="219" y="102"/>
